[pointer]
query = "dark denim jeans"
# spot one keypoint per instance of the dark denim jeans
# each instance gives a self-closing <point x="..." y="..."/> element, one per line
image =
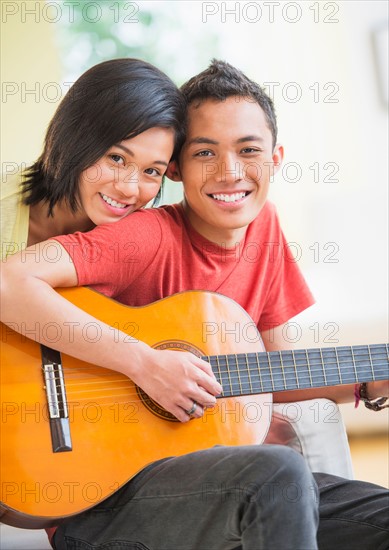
<point x="257" y="497"/>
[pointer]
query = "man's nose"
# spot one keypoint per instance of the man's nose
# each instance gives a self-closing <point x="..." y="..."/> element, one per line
<point x="229" y="169"/>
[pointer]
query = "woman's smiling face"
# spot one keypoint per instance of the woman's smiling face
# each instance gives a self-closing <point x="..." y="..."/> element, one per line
<point x="127" y="176"/>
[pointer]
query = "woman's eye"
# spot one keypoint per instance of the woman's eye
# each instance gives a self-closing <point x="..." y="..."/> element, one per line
<point x="117" y="158"/>
<point x="152" y="172"/>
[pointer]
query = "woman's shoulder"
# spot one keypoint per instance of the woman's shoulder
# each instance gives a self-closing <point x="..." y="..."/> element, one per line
<point x="14" y="215"/>
<point x="11" y="186"/>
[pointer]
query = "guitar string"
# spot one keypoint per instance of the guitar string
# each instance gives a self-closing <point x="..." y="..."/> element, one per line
<point x="255" y="366"/>
<point x="261" y="383"/>
<point x="127" y="397"/>
<point x="310" y="355"/>
<point x="272" y="361"/>
<point x="260" y="366"/>
<point x="348" y="352"/>
<point x="108" y="393"/>
<point x="348" y="378"/>
<point x="263" y="376"/>
<point x="261" y="371"/>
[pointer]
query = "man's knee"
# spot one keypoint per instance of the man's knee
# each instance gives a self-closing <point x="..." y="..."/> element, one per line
<point x="280" y="472"/>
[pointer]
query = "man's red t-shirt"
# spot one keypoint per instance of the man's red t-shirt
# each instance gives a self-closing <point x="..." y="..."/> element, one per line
<point x="155" y="253"/>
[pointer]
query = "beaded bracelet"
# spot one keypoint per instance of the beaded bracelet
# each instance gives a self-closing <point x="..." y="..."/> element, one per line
<point x="360" y="393"/>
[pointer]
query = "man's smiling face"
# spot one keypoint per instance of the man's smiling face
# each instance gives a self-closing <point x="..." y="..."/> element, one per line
<point x="226" y="165"/>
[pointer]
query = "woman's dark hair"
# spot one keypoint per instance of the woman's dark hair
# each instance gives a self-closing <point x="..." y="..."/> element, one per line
<point x="112" y="101"/>
<point x="220" y="81"/>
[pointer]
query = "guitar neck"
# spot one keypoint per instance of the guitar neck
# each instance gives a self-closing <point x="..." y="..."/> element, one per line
<point x="268" y="372"/>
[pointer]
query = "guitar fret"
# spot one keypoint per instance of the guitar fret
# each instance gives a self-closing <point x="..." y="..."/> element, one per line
<point x="277" y="371"/>
<point x="225" y="376"/>
<point x="218" y="369"/>
<point x="238" y="371"/>
<point x="364" y="359"/>
<point x="337" y="362"/>
<point x="229" y="376"/>
<point x="261" y="382"/>
<point x="354" y="365"/>
<point x="265" y="372"/>
<point x="283" y="367"/>
<point x="371" y="361"/>
<point x="316" y="368"/>
<point x="322" y="366"/>
<point x="295" y="369"/>
<point x="383" y="353"/>
<point x="244" y="374"/>
<point x="329" y="357"/>
<point x="288" y="370"/>
<point x="346" y="362"/>
<point x="256" y="373"/>
<point x="302" y="368"/>
<point x="248" y="371"/>
<point x="271" y="372"/>
<point x="387" y="353"/>
<point x="309" y="371"/>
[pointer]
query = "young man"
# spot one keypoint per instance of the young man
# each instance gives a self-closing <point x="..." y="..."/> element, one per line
<point x="218" y="239"/>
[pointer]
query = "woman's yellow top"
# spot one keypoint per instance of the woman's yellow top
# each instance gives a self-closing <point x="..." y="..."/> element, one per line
<point x="14" y="217"/>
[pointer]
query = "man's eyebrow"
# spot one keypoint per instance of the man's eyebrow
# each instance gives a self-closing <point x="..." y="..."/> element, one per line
<point x="131" y="154"/>
<point x="249" y="138"/>
<point x="201" y="139"/>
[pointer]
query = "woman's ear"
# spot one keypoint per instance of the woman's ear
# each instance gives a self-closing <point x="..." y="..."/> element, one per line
<point x="173" y="171"/>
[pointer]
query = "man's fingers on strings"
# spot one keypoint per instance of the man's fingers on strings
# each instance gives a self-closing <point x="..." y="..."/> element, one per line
<point x="206" y="367"/>
<point x="210" y="384"/>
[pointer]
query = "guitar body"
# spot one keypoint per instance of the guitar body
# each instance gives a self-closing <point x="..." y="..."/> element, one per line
<point x="115" y="429"/>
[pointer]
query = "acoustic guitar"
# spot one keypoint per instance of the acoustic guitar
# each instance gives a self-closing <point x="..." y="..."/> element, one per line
<point x="73" y="433"/>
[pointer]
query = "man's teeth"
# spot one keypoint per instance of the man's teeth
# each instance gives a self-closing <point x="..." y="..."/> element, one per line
<point x="229" y="198"/>
<point x="112" y="202"/>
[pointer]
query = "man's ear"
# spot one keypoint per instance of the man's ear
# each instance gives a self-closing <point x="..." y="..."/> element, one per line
<point x="278" y="157"/>
<point x="173" y="171"/>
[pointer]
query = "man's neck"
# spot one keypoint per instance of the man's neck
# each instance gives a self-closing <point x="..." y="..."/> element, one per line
<point x="224" y="237"/>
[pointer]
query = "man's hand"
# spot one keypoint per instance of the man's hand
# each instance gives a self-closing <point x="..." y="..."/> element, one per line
<point x="378" y="389"/>
<point x="176" y="380"/>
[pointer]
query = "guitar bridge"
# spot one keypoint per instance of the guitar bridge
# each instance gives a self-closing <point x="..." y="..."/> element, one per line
<point x="56" y="400"/>
<point x="55" y="390"/>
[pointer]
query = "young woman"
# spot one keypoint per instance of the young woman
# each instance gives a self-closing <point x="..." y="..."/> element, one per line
<point x="105" y="153"/>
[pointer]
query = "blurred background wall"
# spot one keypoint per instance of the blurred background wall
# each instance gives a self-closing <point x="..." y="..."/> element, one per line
<point x="325" y="64"/>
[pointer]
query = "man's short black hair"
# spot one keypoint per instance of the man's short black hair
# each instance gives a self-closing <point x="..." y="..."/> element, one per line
<point x="220" y="81"/>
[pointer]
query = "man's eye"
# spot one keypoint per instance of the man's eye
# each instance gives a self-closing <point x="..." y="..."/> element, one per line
<point x="203" y="154"/>
<point x="250" y="150"/>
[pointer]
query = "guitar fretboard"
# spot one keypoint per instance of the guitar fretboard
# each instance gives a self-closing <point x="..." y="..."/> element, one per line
<point x="267" y="372"/>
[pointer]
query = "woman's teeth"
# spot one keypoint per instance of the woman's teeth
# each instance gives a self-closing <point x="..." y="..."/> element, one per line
<point x="112" y="202"/>
<point x="229" y="198"/>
